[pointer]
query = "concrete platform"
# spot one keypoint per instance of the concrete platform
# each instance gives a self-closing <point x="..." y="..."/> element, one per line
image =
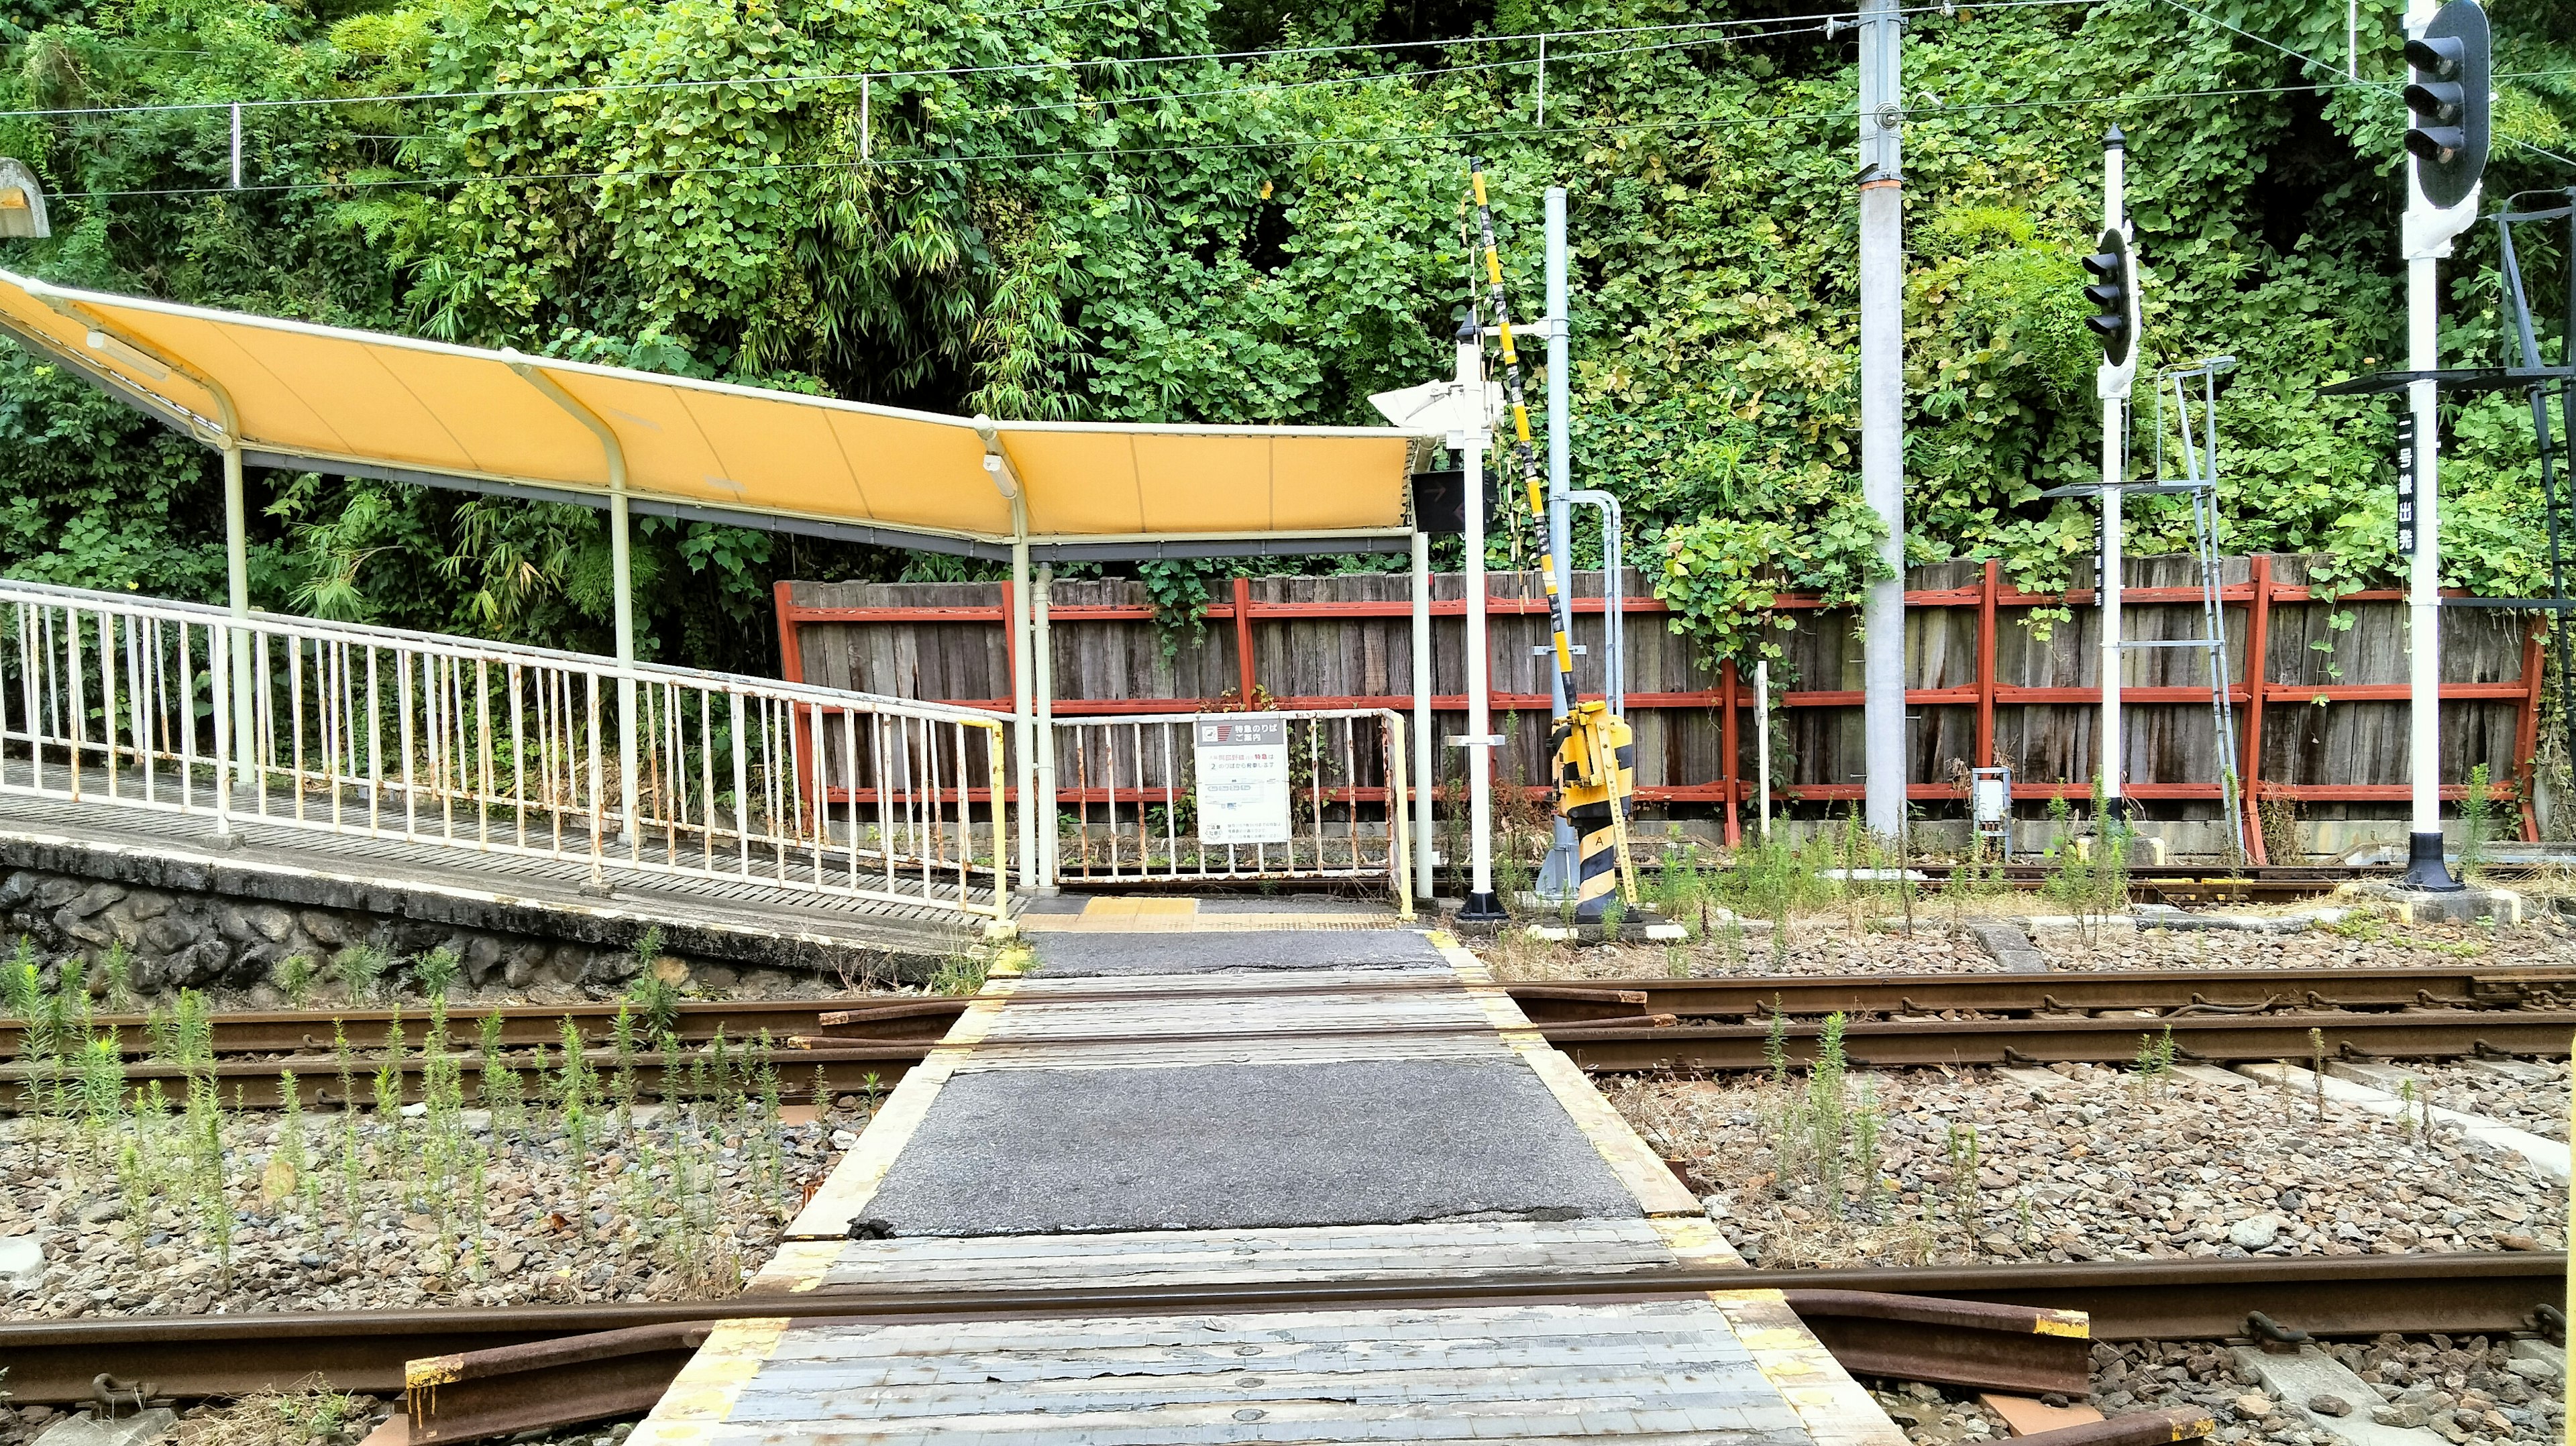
<point x="1213" y="1108"/>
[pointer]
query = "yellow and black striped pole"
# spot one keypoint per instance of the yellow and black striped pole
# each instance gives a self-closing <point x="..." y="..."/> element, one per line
<point x="1595" y="753"/>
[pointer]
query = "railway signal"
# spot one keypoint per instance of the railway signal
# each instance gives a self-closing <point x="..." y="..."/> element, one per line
<point x="2113" y="293"/>
<point x="2448" y="102"/>
<point x="2446" y="144"/>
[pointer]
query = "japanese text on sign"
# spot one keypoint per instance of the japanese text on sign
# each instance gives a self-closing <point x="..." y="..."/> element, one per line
<point x="2406" y="484"/>
<point x="1242" y="778"/>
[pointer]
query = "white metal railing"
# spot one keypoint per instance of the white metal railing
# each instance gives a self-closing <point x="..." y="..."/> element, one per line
<point x="1126" y="801"/>
<point x="345" y="729"/>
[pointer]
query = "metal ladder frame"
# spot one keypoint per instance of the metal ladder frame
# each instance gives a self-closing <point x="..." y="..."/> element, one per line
<point x="2199" y="483"/>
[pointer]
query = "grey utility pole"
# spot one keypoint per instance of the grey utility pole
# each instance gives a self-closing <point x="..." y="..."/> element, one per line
<point x="1882" y="410"/>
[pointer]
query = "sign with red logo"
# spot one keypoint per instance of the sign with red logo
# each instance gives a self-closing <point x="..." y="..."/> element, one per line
<point x="1242" y="761"/>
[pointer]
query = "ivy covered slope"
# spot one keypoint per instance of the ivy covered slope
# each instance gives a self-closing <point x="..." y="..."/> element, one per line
<point x="1072" y="208"/>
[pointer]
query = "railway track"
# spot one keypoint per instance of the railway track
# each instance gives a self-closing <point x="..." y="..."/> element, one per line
<point x="2355" y="1295"/>
<point x="1611" y="1026"/>
<point x="927" y="1017"/>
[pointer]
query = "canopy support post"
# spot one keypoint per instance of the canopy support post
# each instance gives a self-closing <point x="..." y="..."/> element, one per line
<point x="1421" y="714"/>
<point x="237" y="595"/>
<point x="1006" y="479"/>
<point x="230" y="665"/>
<point x="621" y="564"/>
<point x="1043" y="663"/>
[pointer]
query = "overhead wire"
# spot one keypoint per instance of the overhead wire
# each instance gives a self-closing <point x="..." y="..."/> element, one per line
<point x="2378" y="85"/>
<point x="936" y="72"/>
<point x="1833" y="117"/>
<point x="1784" y="26"/>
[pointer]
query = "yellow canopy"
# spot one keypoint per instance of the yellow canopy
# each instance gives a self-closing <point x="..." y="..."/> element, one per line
<point x="356" y="403"/>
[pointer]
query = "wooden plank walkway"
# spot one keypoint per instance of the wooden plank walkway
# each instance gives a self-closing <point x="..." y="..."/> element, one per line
<point x="1234" y="1118"/>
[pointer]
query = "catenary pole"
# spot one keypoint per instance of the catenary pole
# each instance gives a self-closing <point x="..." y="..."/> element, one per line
<point x="1882" y="419"/>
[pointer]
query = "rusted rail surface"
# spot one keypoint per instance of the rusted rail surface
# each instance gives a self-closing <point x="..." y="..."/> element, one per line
<point x="1895" y="1044"/>
<point x="547" y="1384"/>
<point x="476" y="1395"/>
<point x="2132" y="1428"/>
<point x="1619" y="1045"/>
<point x="197" y="1356"/>
<point x="2162" y="990"/>
<point x="1978" y="1344"/>
<point x="927" y="1017"/>
<point x="292" y="1031"/>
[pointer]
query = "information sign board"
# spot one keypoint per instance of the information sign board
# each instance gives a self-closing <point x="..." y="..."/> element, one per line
<point x="1242" y="763"/>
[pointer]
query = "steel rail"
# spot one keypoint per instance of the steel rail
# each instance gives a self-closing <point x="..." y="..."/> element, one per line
<point x="896" y="1017"/>
<point x="57" y="1361"/>
<point x="1894" y="1044"/>
<point x="1619" y="1045"/>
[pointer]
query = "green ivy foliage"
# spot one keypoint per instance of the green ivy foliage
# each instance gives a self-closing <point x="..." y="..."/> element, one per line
<point x="1068" y="209"/>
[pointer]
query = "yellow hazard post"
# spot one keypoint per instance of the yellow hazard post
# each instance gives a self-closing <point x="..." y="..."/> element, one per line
<point x="1594" y="753"/>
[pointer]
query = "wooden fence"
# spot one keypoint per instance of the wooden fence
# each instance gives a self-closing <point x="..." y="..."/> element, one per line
<point x="2322" y="720"/>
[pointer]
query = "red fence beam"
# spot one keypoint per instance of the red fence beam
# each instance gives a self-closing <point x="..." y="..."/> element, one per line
<point x="2258" y="664"/>
<point x="1985" y="695"/>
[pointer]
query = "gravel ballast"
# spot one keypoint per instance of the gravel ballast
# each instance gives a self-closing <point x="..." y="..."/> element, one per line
<point x="2467" y="1391"/>
<point x="2095" y="1165"/>
<point x="672" y="1209"/>
<point x="2502" y="1095"/>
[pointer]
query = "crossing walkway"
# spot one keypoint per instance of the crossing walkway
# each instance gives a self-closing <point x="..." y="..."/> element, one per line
<point x="1371" y="1202"/>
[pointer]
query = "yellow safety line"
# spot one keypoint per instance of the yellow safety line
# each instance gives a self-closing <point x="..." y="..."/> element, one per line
<point x="1834" y="1408"/>
<point x="701" y="1399"/>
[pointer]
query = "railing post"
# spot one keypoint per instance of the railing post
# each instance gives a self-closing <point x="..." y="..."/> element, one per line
<point x="1396" y="807"/>
<point x="1001" y="821"/>
<point x="219" y="665"/>
<point x="1987" y="587"/>
<point x="2526" y="733"/>
<point x="1726" y="746"/>
<point x="2258" y="676"/>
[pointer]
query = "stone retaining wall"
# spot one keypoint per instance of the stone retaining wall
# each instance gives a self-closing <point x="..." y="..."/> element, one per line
<point x="185" y="939"/>
<point x="187" y="923"/>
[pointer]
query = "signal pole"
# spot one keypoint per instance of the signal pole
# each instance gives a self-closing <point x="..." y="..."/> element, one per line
<point x="2113" y="383"/>
<point x="2425" y="868"/>
<point x="1882" y="411"/>
<point x="2447" y="101"/>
